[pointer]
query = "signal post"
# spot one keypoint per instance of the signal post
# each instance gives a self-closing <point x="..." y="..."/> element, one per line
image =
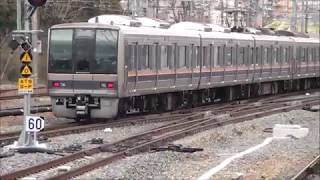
<point x="32" y="124"/>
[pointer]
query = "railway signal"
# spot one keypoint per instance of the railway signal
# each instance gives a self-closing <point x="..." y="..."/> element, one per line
<point x="37" y="3"/>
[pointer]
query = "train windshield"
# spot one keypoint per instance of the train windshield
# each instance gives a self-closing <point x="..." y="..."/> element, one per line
<point x="83" y="51"/>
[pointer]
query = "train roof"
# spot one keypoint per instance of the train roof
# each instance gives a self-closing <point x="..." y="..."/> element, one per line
<point x="127" y="30"/>
<point x="83" y="25"/>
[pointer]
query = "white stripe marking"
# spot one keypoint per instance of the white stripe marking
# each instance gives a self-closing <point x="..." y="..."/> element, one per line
<point x="216" y="169"/>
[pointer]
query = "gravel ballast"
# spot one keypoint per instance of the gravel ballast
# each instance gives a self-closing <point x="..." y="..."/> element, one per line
<point x="20" y="161"/>
<point x="281" y="159"/>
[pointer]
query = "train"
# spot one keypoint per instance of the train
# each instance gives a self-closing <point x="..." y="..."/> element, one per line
<point x="98" y="70"/>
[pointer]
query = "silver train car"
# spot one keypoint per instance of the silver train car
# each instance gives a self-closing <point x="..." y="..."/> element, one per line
<point x="102" y="71"/>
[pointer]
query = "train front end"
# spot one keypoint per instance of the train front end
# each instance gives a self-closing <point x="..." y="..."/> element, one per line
<point x="82" y="70"/>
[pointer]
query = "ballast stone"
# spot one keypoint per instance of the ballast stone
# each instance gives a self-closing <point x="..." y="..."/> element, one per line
<point x="285" y="130"/>
<point x="64" y="168"/>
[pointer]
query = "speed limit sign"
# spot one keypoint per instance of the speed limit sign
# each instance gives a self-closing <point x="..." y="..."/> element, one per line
<point x="34" y="123"/>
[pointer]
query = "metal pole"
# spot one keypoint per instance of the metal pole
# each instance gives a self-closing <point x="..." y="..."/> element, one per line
<point x="222" y="12"/>
<point x="293" y="26"/>
<point x="35" y="39"/>
<point x="306" y="17"/>
<point x="19" y="9"/>
<point x="301" y="14"/>
<point x="236" y="13"/>
<point x="27" y="97"/>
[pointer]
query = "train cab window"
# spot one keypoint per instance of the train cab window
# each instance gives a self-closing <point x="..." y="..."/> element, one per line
<point x="143" y="57"/>
<point x="164" y="56"/>
<point x="83" y="49"/>
<point x="60" y="54"/>
<point x="106" y="52"/>
<point x="206" y="56"/>
<point x="182" y="56"/>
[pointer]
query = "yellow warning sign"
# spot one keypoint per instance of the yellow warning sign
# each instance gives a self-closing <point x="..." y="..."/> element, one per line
<point x="25" y="85"/>
<point x="26" y="57"/>
<point x="26" y="70"/>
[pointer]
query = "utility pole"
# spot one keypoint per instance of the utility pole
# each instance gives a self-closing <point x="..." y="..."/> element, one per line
<point x="157" y="9"/>
<point x="301" y="15"/>
<point x="236" y="13"/>
<point x="222" y="11"/>
<point x="293" y="24"/>
<point x="306" y="17"/>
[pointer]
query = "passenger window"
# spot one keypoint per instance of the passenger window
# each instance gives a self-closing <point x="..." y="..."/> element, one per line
<point x="270" y="55"/>
<point x="251" y="56"/>
<point x="206" y="56"/>
<point x="228" y="56"/>
<point x="285" y="55"/>
<point x="241" y="56"/>
<point x="220" y="55"/>
<point x="164" y="60"/>
<point x="264" y="55"/>
<point x="188" y="56"/>
<point x="152" y="56"/>
<point x="181" y="55"/>
<point x="142" y="57"/>
<point x="275" y="56"/>
<point x="302" y="54"/>
<point x="130" y="56"/>
<point x="214" y="55"/>
<point x="310" y="54"/>
<point x="170" y="56"/>
<point x="318" y="54"/>
<point x="195" y="56"/>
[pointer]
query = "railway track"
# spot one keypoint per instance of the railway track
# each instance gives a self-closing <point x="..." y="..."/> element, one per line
<point x="311" y="171"/>
<point x="19" y="110"/>
<point x="10" y="94"/>
<point x="64" y="129"/>
<point x="184" y="126"/>
<point x="59" y="130"/>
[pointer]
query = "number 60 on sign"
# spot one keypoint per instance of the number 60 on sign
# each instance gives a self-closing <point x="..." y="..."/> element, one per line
<point x="34" y="123"/>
